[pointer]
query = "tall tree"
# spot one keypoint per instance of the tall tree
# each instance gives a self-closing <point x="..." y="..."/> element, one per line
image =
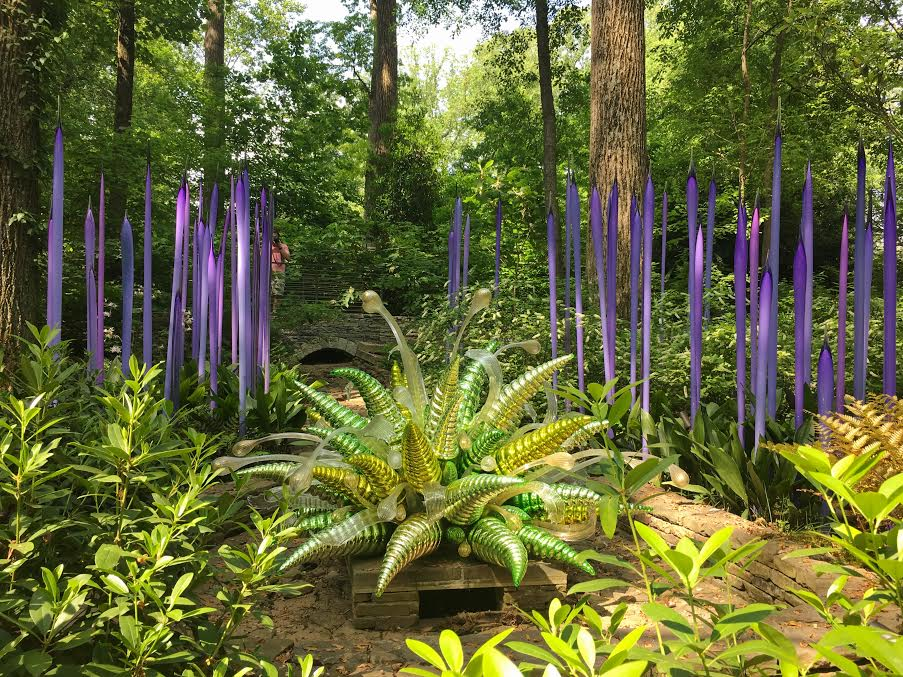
<point x="20" y="27"/>
<point x="383" y="98"/>
<point x="122" y="108"/>
<point x="215" y="78"/>
<point x="617" y="138"/>
<point x="547" y="102"/>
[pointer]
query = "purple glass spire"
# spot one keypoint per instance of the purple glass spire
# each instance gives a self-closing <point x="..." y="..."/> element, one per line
<point x="799" y="331"/>
<point x="740" y="266"/>
<point x="761" y="395"/>
<point x="578" y="287"/>
<point x="806" y="228"/>
<point x="648" y="218"/>
<point x="55" y="242"/>
<point x="754" y="293"/>
<point x="696" y="273"/>
<point x="889" y="376"/>
<point x="128" y="290"/>
<point x="147" y="290"/>
<point x="553" y="291"/>
<point x="773" y="256"/>
<point x="595" y="223"/>
<point x="635" y="245"/>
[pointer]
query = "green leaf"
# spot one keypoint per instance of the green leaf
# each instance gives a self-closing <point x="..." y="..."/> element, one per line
<point x="597" y="585"/>
<point x="115" y="584"/>
<point x="129" y="629"/>
<point x="668" y="617"/>
<point x="608" y="509"/>
<point x="450" y="645"/>
<point x="426" y="653"/>
<point x="107" y="556"/>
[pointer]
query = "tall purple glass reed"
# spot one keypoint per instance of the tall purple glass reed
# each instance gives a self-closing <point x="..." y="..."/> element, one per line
<point x="799" y="331"/>
<point x="635" y="245"/>
<point x="128" y="290"/>
<point x="553" y="291"/>
<point x="889" y="376"/>
<point x="740" y="266"/>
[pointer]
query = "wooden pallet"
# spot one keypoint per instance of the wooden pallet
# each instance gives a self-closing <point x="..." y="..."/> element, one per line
<point x="399" y="606"/>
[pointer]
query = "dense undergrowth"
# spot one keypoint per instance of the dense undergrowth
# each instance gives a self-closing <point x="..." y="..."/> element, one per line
<point x="113" y="538"/>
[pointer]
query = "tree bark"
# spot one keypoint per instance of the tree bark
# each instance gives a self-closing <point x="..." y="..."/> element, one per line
<point x="122" y="109"/>
<point x="747" y="94"/>
<point x="19" y="110"/>
<point x="215" y="78"/>
<point x="617" y="137"/>
<point x="383" y="100"/>
<point x="547" y="101"/>
<point x="774" y="99"/>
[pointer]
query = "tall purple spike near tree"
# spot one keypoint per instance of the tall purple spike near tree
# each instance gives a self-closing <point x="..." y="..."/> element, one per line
<point x="740" y="265"/>
<point x="233" y="271"/>
<point x="692" y="214"/>
<point x="709" y="245"/>
<point x="595" y="225"/>
<point x="170" y="385"/>
<point x="498" y="242"/>
<point x="568" y="216"/>
<point x="754" y="293"/>
<point x="648" y="218"/>
<point x="578" y="288"/>
<point x="799" y="331"/>
<point x="696" y="273"/>
<point x="147" y="290"/>
<point x="889" y="380"/>
<point x="611" y="270"/>
<point x="825" y="383"/>
<point x="128" y="290"/>
<point x="664" y="233"/>
<point x="761" y="394"/>
<point x="806" y="228"/>
<point x="90" y="286"/>
<point x="200" y="321"/>
<point x="860" y="323"/>
<point x="465" y="261"/>
<point x="773" y="256"/>
<point x="553" y="290"/>
<point x="456" y="242"/>
<point x="842" y="314"/>
<point x="213" y="283"/>
<point x="55" y="242"/>
<point x="243" y="281"/>
<point x="101" y="264"/>
<point x="635" y="245"/>
<point x="451" y="267"/>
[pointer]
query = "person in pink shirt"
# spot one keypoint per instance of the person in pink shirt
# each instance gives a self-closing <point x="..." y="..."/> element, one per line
<point x="279" y="256"/>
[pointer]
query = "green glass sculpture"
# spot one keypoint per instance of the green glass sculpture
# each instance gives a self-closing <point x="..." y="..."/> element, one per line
<point x="421" y="471"/>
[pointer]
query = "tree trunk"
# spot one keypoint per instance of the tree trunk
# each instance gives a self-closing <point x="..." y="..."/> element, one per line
<point x="383" y="100"/>
<point x="19" y="109"/>
<point x="774" y="99"/>
<point x="549" y="134"/>
<point x="747" y="93"/>
<point x="617" y="137"/>
<point x="122" y="109"/>
<point x="215" y="77"/>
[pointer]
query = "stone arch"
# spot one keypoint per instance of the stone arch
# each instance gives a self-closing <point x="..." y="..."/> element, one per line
<point x="332" y="344"/>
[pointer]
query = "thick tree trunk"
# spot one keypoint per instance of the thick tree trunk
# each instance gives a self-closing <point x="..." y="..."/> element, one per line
<point x="617" y="136"/>
<point x="122" y="109"/>
<point x="547" y="100"/>
<point x="747" y="94"/>
<point x="383" y="99"/>
<point x="19" y="108"/>
<point x="215" y="77"/>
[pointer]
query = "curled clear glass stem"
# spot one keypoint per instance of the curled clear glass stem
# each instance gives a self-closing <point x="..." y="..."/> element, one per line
<point x="552" y="502"/>
<point x="347" y="529"/>
<point x="559" y="459"/>
<point x="513" y="522"/>
<point x="571" y="532"/>
<point x="481" y="299"/>
<point x="372" y="303"/>
<point x="245" y="447"/>
<point x="530" y="346"/>
<point x="388" y="507"/>
<point x="493" y="370"/>
<point x="434" y="499"/>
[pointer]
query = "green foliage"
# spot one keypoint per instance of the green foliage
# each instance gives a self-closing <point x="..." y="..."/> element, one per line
<point x="112" y="532"/>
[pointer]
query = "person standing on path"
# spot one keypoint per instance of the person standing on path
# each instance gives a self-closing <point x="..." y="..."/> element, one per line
<point x="279" y="256"/>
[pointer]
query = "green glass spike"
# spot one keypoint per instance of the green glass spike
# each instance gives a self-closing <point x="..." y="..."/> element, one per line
<point x="419" y="463"/>
<point x="377" y="399"/>
<point x="346" y="444"/>
<point x="540" y="543"/>
<point x="277" y="471"/>
<point x="455" y="535"/>
<point x="398" y="379"/>
<point x="485" y="443"/>
<point x="415" y="537"/>
<point x="445" y="441"/>
<point x="470" y="386"/>
<point x="449" y="473"/>
<point x="506" y="411"/>
<point x="467" y="497"/>
<point x="320" y="520"/>
<point x="347" y="482"/>
<point x="538" y="443"/>
<point x="495" y="543"/>
<point x="338" y="416"/>
<point x="445" y="394"/>
<point x="376" y="471"/>
<point x="371" y="541"/>
<point x="582" y="436"/>
<point x="576" y="492"/>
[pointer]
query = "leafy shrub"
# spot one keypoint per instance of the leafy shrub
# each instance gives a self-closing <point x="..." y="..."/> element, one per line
<point x="111" y="534"/>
